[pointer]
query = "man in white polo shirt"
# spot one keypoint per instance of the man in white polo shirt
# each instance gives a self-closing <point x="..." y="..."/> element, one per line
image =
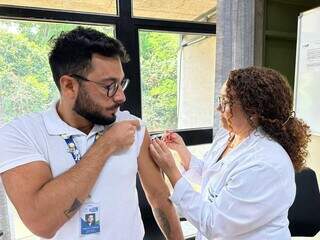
<point x="80" y="158"/>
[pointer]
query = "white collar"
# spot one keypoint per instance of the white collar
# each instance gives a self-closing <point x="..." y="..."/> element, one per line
<point x="56" y="126"/>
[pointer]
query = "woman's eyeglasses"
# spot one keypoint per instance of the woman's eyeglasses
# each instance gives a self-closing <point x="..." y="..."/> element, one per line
<point x="222" y="102"/>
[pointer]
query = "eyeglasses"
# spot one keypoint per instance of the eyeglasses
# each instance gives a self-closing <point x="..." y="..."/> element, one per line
<point x="222" y="102"/>
<point x="111" y="89"/>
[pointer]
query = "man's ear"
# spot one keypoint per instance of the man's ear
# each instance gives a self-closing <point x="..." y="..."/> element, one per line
<point x="69" y="86"/>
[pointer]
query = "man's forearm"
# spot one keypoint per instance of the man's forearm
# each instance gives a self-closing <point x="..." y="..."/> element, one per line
<point x="59" y="199"/>
<point x="168" y="220"/>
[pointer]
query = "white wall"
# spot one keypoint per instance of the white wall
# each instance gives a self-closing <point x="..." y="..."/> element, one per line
<point x="313" y="160"/>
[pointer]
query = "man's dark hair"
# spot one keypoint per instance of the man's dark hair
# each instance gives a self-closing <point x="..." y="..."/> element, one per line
<point x="72" y="51"/>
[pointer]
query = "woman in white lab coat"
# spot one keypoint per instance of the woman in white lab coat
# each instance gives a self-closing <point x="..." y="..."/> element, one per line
<point x="247" y="177"/>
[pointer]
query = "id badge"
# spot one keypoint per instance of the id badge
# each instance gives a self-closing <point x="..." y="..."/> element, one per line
<point x="89" y="219"/>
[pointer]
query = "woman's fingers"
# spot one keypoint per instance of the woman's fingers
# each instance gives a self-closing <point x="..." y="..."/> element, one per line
<point x="162" y="156"/>
<point x="167" y="136"/>
<point x="157" y="147"/>
<point x="162" y="145"/>
<point x="173" y="138"/>
<point x="160" y="150"/>
<point x="154" y="152"/>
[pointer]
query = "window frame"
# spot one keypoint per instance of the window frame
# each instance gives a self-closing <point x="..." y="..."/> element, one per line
<point x="125" y="25"/>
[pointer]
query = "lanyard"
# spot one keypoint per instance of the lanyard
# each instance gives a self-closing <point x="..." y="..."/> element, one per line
<point x="72" y="147"/>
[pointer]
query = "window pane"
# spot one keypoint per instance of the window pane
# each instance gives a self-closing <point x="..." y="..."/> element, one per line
<point x="177" y="72"/>
<point x="26" y="84"/>
<point x="99" y="6"/>
<point x="185" y="10"/>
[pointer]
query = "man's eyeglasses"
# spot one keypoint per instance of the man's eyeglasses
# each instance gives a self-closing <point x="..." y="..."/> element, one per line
<point x="222" y="102"/>
<point x="111" y="89"/>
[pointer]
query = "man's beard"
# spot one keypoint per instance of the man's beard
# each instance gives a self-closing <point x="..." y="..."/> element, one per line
<point x="88" y="109"/>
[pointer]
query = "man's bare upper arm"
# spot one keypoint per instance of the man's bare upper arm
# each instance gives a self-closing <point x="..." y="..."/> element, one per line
<point x="23" y="182"/>
<point x="149" y="173"/>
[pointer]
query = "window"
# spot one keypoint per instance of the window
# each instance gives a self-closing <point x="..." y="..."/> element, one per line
<point x="100" y="6"/>
<point x="171" y="69"/>
<point x="177" y="77"/>
<point x="186" y="10"/>
<point x="26" y="83"/>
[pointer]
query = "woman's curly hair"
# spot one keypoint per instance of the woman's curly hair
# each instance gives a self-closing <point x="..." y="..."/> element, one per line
<point x="266" y="96"/>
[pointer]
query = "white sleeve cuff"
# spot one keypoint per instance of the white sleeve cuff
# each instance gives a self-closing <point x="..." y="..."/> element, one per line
<point x="194" y="173"/>
<point x="181" y="186"/>
<point x="195" y="162"/>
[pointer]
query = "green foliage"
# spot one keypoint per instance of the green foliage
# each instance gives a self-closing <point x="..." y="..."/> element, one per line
<point x="26" y="83"/>
<point x="158" y="56"/>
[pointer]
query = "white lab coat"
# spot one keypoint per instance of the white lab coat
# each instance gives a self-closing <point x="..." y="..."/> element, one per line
<point x="245" y="195"/>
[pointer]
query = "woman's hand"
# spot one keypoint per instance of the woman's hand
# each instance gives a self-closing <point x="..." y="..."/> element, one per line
<point x="175" y="142"/>
<point x="164" y="159"/>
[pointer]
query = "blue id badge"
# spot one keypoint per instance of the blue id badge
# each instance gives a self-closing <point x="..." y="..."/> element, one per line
<point x="89" y="219"/>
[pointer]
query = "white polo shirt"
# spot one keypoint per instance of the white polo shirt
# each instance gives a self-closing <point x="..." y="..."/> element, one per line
<point x="37" y="137"/>
<point x="245" y="196"/>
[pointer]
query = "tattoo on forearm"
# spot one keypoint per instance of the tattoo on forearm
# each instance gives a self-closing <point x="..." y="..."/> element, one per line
<point x="74" y="207"/>
<point x="162" y="220"/>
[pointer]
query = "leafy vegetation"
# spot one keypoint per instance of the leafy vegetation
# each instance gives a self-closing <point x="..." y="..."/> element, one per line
<point x="26" y="83"/>
<point x="158" y="56"/>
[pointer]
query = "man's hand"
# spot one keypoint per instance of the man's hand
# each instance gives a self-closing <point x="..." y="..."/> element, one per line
<point x="121" y="135"/>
